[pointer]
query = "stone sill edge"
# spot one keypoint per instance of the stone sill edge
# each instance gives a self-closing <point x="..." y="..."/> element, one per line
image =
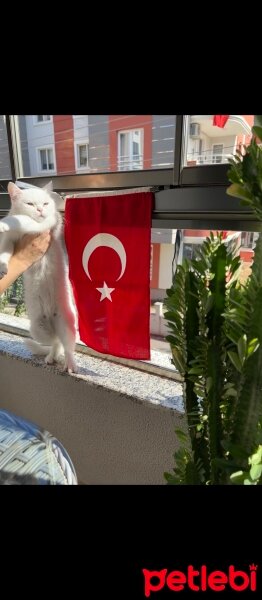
<point x="133" y="364"/>
<point x="37" y="362"/>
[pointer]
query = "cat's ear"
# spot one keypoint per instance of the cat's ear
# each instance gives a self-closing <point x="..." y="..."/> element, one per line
<point x="13" y="191"/>
<point x="48" y="187"/>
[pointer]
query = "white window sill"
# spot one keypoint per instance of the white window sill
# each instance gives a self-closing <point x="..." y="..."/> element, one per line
<point x="142" y="387"/>
<point x="159" y="364"/>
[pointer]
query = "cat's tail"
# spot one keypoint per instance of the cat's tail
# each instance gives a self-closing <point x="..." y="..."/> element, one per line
<point x="37" y="348"/>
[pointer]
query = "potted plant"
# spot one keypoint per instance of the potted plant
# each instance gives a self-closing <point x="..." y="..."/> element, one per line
<point x="215" y="325"/>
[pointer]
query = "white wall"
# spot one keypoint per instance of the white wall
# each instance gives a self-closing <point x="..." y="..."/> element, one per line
<point x="207" y="144"/>
<point x="38" y="135"/>
<point x="80" y="127"/>
<point x="227" y="141"/>
<point x="165" y="266"/>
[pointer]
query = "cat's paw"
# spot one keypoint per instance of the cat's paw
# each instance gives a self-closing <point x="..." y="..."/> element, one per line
<point x="3" y="270"/>
<point x="70" y="365"/>
<point x="4" y="227"/>
<point x="60" y="359"/>
<point x="49" y="359"/>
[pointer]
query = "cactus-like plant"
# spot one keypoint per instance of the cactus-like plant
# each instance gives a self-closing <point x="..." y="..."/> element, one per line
<point x="216" y="344"/>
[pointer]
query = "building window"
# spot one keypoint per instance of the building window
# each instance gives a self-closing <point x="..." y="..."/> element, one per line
<point x="217" y="153"/>
<point x="46" y="159"/>
<point x="82" y="155"/>
<point x="130" y="150"/>
<point x="42" y="118"/>
<point x="189" y="250"/>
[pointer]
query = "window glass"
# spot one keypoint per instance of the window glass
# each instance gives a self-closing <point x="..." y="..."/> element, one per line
<point x="82" y="155"/>
<point x="46" y="159"/>
<point x="112" y="142"/>
<point x="170" y="247"/>
<point x="212" y="139"/>
<point x="42" y="118"/>
<point x="5" y="169"/>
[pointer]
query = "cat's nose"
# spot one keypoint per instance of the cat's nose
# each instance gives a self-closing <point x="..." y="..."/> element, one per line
<point x="39" y="210"/>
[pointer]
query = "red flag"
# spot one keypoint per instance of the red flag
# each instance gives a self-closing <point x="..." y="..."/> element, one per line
<point x="220" y="120"/>
<point x="108" y="243"/>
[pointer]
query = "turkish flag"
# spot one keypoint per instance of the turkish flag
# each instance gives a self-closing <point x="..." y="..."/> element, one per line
<point x="108" y="244"/>
<point x="220" y="120"/>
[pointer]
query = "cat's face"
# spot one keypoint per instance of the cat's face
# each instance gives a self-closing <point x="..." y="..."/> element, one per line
<point x="35" y="203"/>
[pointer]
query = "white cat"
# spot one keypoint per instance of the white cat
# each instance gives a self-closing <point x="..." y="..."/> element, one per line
<point x="48" y="295"/>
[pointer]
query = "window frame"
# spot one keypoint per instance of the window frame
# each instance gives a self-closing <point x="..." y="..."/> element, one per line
<point x="129" y="131"/>
<point x="179" y="175"/>
<point x="84" y="142"/>
<point x="200" y="175"/>
<point x="38" y="159"/>
<point x="46" y="122"/>
<point x="168" y="185"/>
<point x="182" y="194"/>
<point x="213" y="154"/>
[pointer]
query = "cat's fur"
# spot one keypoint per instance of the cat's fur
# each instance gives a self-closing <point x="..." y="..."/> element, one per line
<point x="48" y="295"/>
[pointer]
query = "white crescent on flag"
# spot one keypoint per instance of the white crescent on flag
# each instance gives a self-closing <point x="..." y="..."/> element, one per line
<point x="108" y="240"/>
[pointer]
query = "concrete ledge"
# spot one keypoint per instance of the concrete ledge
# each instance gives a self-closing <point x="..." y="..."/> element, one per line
<point x="116" y="423"/>
<point x="159" y="364"/>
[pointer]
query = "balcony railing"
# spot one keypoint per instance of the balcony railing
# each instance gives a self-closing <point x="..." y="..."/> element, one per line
<point x="208" y="158"/>
<point x="126" y="163"/>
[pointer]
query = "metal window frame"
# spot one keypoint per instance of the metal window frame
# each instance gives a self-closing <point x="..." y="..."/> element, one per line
<point x="179" y="175"/>
<point x="185" y="197"/>
<point x="199" y="175"/>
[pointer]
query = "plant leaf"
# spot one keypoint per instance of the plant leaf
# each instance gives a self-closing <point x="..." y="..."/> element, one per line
<point x="182" y="436"/>
<point x="235" y="360"/>
<point x="255" y="472"/>
<point x="257" y="131"/>
<point x="238" y="191"/>
<point x="241" y="347"/>
<point x="252" y="346"/>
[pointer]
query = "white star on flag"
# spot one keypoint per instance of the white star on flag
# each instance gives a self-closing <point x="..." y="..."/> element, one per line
<point x="105" y="292"/>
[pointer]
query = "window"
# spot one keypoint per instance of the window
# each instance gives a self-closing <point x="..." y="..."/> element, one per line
<point x="5" y="169"/>
<point x="205" y="145"/>
<point x="43" y="118"/>
<point x="248" y="239"/>
<point x="82" y="155"/>
<point x="130" y="152"/>
<point x="189" y="250"/>
<point x="46" y="159"/>
<point x="217" y="153"/>
<point x="116" y="145"/>
<point x="111" y="143"/>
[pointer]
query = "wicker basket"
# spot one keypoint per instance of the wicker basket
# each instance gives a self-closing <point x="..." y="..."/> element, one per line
<point x="31" y="456"/>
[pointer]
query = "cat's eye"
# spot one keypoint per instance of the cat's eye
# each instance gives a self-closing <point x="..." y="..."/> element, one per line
<point x="30" y="203"/>
<point x="46" y="203"/>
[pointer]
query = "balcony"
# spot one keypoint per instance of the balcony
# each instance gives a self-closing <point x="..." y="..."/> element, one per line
<point x="236" y="125"/>
<point x="127" y="163"/>
<point x="208" y="158"/>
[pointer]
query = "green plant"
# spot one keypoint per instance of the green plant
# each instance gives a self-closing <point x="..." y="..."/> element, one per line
<point x="19" y="294"/>
<point x="16" y="290"/>
<point x="216" y="344"/>
<point x="3" y="301"/>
